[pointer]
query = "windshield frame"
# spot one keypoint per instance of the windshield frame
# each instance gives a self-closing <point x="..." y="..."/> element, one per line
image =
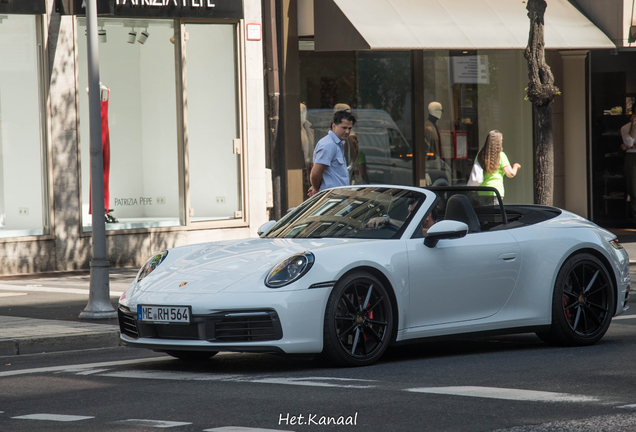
<point x="339" y="206"/>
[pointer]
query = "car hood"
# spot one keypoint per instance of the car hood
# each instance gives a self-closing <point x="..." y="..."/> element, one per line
<point x="212" y="267"/>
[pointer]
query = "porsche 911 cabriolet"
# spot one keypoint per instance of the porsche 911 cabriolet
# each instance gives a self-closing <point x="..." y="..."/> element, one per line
<point x="355" y="269"/>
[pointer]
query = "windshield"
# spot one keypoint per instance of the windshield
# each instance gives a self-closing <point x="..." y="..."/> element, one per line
<point x="358" y="212"/>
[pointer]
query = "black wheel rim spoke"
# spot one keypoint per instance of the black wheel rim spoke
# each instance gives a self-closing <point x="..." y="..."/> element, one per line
<point x="367" y="298"/>
<point x="356" y="338"/>
<point x="369" y="309"/>
<point x="593" y="316"/>
<point x="597" y="306"/>
<point x="373" y="334"/>
<point x="350" y="306"/>
<point x="347" y="331"/>
<point x="377" y="322"/>
<point x="598" y="289"/>
<point x="576" y="320"/>
<point x="589" y="286"/>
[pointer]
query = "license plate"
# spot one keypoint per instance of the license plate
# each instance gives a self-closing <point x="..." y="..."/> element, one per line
<point x="164" y="314"/>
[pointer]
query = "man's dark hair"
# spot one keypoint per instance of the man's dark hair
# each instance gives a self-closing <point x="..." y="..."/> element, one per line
<point x="434" y="214"/>
<point x="340" y="116"/>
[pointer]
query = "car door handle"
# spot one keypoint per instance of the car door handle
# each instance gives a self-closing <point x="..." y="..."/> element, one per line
<point x="507" y="256"/>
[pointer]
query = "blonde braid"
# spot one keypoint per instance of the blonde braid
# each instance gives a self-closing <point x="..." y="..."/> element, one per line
<point x="490" y="153"/>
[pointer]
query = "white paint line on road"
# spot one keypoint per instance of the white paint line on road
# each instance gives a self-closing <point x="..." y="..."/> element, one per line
<point x="242" y="429"/>
<point x="13" y="294"/>
<point x="169" y="375"/>
<point x="190" y="376"/>
<point x="80" y="367"/>
<point x="505" y="393"/>
<point x="52" y="417"/>
<point x="622" y="317"/>
<point x="154" y="423"/>
<point x="310" y="382"/>
<point x="52" y="290"/>
<point x="632" y="406"/>
<point x="92" y="371"/>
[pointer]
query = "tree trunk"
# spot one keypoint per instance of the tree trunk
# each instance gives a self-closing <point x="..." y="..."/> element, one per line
<point x="541" y="92"/>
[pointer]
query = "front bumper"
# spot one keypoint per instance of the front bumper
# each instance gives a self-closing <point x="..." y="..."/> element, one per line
<point x="277" y="321"/>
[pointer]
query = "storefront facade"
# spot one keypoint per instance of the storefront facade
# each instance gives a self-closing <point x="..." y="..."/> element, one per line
<point x="613" y="90"/>
<point x="184" y="150"/>
<point x="391" y="62"/>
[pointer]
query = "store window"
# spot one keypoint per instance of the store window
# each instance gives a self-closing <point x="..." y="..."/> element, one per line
<point x="138" y="89"/>
<point x="377" y="87"/>
<point x="150" y="178"/>
<point x="213" y="122"/>
<point x="23" y="191"/>
<point x="476" y="92"/>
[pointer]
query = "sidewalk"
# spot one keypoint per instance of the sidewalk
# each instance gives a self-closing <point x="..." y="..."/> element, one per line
<point x="39" y="312"/>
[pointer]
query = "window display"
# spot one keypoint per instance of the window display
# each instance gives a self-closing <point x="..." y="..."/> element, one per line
<point x="212" y="109"/>
<point x="23" y="198"/>
<point x="139" y="123"/>
<point x="148" y="175"/>
<point x="466" y="94"/>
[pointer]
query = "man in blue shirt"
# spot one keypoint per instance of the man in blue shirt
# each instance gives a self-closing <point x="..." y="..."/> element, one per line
<point x="330" y="167"/>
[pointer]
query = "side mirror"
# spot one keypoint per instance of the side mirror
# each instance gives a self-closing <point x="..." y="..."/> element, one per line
<point x="265" y="227"/>
<point x="446" y="229"/>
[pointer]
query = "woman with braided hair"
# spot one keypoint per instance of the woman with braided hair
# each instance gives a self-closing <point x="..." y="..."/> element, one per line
<point x="495" y="162"/>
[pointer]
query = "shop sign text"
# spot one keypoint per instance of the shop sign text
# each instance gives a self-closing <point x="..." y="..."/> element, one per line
<point x="162" y="3"/>
<point x="133" y="201"/>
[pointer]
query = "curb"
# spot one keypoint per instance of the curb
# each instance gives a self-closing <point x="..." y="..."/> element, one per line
<point x="59" y="343"/>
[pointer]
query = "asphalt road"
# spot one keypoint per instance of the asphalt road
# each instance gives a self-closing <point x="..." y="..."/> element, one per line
<point x="512" y="383"/>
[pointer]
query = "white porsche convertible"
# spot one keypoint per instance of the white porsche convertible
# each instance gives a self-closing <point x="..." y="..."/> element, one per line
<point x="353" y="270"/>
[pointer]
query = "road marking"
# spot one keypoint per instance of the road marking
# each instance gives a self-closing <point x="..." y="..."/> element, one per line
<point x="52" y="290"/>
<point x="242" y="429"/>
<point x="80" y="367"/>
<point x="12" y="294"/>
<point x="53" y="417"/>
<point x="190" y="376"/>
<point x="91" y="371"/>
<point x="312" y="382"/>
<point x="154" y="423"/>
<point x="169" y="375"/>
<point x="505" y="393"/>
<point x="632" y="406"/>
<point x="622" y="317"/>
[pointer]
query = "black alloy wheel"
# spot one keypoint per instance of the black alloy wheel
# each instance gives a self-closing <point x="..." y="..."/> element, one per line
<point x="358" y="321"/>
<point x="583" y="302"/>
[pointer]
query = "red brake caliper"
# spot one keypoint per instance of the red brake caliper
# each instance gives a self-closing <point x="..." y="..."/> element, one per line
<point x="370" y="315"/>
<point x="565" y="303"/>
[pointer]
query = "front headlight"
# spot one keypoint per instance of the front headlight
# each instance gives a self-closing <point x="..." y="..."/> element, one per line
<point x="290" y="270"/>
<point x="151" y="264"/>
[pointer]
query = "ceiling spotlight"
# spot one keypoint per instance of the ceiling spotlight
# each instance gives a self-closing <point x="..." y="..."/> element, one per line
<point x="101" y="35"/>
<point x="132" y="35"/>
<point x="143" y="37"/>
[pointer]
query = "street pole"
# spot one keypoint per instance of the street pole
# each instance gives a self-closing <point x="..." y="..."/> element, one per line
<point x="99" y="306"/>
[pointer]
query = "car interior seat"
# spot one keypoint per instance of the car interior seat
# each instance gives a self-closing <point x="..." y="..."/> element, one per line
<point x="458" y="208"/>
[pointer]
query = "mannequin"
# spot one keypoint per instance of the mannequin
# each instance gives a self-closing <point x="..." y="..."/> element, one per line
<point x="431" y="132"/>
<point x="104" y="98"/>
<point x="307" y="143"/>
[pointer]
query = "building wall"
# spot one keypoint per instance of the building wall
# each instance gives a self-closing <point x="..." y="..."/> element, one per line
<point x="68" y="247"/>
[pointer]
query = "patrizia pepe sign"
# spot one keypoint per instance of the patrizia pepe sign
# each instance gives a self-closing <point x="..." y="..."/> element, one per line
<point x="223" y="9"/>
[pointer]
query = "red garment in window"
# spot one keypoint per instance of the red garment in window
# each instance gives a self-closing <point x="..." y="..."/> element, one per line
<point x="105" y="155"/>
